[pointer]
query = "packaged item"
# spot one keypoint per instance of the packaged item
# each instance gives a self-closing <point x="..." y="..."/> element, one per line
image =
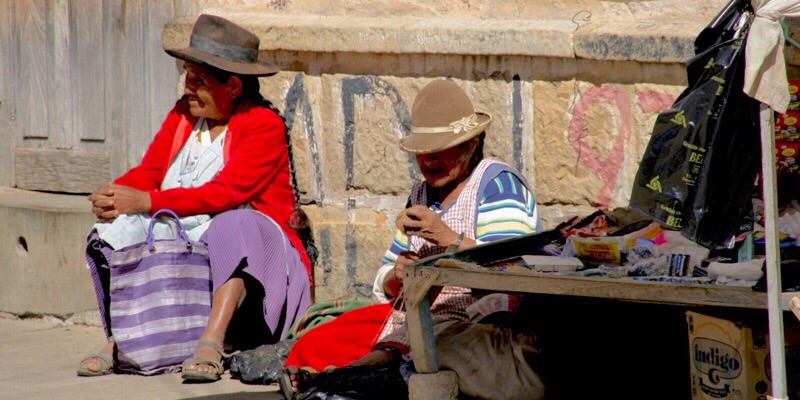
<point x="728" y="359"/>
<point x="552" y="264"/>
<point x="786" y="155"/>
<point x="605" y="250"/>
<point x="642" y="251"/>
<point x="651" y="267"/>
<point x="787" y="126"/>
<point x="794" y="96"/>
<point x="678" y="264"/>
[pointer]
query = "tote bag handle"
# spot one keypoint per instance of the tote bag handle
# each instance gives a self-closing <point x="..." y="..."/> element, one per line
<point x="151" y="237"/>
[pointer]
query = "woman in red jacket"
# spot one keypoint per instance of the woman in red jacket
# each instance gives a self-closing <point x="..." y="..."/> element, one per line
<point x="221" y="161"/>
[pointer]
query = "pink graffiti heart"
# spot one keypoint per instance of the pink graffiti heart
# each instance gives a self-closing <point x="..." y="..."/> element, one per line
<point x="606" y="168"/>
<point x="652" y="101"/>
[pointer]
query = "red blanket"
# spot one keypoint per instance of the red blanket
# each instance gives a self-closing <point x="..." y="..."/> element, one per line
<point x="341" y="341"/>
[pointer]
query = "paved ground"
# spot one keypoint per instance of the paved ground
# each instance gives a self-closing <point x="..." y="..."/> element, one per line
<point x="38" y="361"/>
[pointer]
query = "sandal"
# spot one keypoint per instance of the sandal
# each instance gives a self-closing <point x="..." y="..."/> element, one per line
<point x="200" y="376"/>
<point x="285" y="381"/>
<point x="106" y="365"/>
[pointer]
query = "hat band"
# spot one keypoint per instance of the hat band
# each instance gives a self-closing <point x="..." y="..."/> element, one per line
<point x="462" y="125"/>
<point x="230" y="52"/>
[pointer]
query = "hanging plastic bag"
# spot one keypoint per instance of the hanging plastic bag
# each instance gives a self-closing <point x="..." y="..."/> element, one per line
<point x="698" y="171"/>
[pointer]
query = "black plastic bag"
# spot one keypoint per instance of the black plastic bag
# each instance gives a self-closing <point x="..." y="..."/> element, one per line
<point x="262" y="365"/>
<point x="698" y="172"/>
<point x="362" y="382"/>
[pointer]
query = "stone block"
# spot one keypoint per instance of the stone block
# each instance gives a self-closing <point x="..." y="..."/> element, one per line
<point x="42" y="242"/>
<point x="498" y="97"/>
<point x="589" y="139"/>
<point x="375" y="117"/>
<point x="396" y="34"/>
<point x="646" y="41"/>
<point x="351" y="241"/>
<point x="289" y="92"/>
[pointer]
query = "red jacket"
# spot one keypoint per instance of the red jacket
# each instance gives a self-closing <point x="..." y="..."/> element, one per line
<point x="256" y="169"/>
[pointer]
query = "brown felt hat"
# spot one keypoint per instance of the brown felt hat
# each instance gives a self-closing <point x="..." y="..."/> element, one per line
<point x="442" y="117"/>
<point x="220" y="43"/>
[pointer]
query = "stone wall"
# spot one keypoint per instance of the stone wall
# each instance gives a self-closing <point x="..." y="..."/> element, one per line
<point x="574" y="89"/>
<point x="577" y="141"/>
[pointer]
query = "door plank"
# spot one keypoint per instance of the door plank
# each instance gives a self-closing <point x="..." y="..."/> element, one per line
<point x="59" y="75"/>
<point x="31" y="99"/>
<point x="61" y="170"/>
<point x="7" y="91"/>
<point x="88" y="61"/>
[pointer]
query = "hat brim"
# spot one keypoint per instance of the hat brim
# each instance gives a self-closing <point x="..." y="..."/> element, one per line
<point x="425" y="143"/>
<point x="259" y="68"/>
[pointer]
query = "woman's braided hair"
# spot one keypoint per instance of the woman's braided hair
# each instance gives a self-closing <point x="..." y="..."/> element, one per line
<point x="298" y="220"/>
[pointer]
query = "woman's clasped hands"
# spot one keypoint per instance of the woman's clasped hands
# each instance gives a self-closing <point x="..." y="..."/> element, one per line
<point x="111" y="201"/>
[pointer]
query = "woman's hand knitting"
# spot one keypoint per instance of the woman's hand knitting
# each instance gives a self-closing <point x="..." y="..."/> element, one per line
<point x="423" y="222"/>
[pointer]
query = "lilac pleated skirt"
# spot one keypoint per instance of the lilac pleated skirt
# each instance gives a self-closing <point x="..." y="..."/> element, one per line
<point x="241" y="243"/>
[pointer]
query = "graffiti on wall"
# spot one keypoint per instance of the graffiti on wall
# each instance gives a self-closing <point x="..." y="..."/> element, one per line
<point x="607" y="167"/>
<point x="296" y="100"/>
<point x="371" y="86"/>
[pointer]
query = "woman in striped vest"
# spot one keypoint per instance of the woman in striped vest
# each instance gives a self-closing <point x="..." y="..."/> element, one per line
<point x="464" y="200"/>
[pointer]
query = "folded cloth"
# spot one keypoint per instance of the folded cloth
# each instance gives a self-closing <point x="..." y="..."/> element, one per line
<point x="746" y="271"/>
<point x="354" y="332"/>
<point x="323" y="312"/>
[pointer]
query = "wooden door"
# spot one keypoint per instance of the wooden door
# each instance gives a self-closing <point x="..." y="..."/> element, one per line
<point x="84" y="86"/>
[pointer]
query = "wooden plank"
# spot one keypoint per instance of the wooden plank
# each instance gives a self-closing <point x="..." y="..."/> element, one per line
<point x="52" y="202"/>
<point x="88" y="95"/>
<point x="152" y="77"/>
<point x="115" y="59"/>
<point x="61" y="170"/>
<point x="417" y="289"/>
<point x="31" y="98"/>
<point x="606" y="288"/>
<point x="161" y="68"/>
<point x="137" y="130"/>
<point x="418" y="319"/>
<point x="59" y="76"/>
<point x="7" y="91"/>
<point x="773" y="251"/>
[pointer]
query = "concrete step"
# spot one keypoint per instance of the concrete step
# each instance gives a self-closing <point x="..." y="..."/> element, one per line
<point x="42" y="242"/>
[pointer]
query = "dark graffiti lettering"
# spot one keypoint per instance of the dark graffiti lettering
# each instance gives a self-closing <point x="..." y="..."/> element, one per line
<point x="296" y="98"/>
<point x="371" y="85"/>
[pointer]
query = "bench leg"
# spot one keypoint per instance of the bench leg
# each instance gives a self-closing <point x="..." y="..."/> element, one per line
<point x="418" y="322"/>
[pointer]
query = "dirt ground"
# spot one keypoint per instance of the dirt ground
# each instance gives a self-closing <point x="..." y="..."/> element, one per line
<point x="39" y="360"/>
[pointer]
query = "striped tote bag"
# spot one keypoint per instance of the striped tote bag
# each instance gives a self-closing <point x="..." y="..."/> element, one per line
<point x="160" y="301"/>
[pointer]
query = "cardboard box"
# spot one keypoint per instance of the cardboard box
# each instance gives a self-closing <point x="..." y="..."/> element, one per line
<point x="728" y="360"/>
